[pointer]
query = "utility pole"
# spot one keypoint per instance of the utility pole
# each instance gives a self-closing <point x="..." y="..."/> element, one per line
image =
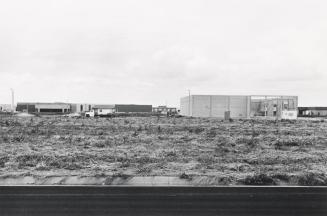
<point x="189" y="102"/>
<point x="12" y="100"/>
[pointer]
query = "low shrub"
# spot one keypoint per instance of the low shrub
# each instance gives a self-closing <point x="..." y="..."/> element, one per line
<point x="206" y="159"/>
<point x="212" y="133"/>
<point x="225" y="180"/>
<point x="3" y="161"/>
<point x="99" y="144"/>
<point x="100" y="132"/>
<point x="185" y="176"/>
<point x="293" y="141"/>
<point x="259" y="179"/>
<point x="312" y="179"/>
<point x="70" y="162"/>
<point x="196" y="130"/>
<point x="103" y="143"/>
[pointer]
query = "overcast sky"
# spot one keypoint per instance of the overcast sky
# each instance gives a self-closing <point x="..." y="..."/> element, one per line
<point x="152" y="52"/>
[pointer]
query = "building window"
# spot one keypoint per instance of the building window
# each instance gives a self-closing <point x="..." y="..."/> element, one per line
<point x="81" y="108"/>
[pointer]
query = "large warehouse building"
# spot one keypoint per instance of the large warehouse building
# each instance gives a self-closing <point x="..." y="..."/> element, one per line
<point x="43" y="107"/>
<point x="236" y="106"/>
<point x="60" y="108"/>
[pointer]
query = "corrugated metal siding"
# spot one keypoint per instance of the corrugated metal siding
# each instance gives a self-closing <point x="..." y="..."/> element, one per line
<point x="133" y="108"/>
<point x="201" y="106"/>
<point x="219" y="105"/>
<point x="184" y="106"/>
<point x="81" y="107"/>
<point x="73" y="108"/>
<point x="238" y="106"/>
<point x="216" y="106"/>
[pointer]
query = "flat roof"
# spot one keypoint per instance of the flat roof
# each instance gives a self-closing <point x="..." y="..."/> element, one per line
<point x="259" y="96"/>
<point x="312" y="108"/>
<point x="103" y="106"/>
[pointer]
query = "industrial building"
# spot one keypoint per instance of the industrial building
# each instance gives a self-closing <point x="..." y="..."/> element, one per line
<point x="312" y="111"/>
<point x="101" y="110"/>
<point x="79" y="108"/>
<point x="98" y="109"/>
<point x="273" y="105"/>
<point x="164" y="109"/>
<point x="133" y="108"/>
<point x="46" y="108"/>
<point x="237" y="106"/>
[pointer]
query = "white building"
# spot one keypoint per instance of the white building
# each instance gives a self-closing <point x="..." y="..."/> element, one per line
<point x="215" y="106"/>
<point x="237" y="106"/>
<point x="101" y="110"/>
<point x="79" y="107"/>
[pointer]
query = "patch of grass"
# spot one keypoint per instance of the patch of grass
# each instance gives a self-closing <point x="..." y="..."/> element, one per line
<point x="144" y="170"/>
<point x="222" y="150"/>
<point x="70" y="162"/>
<point x="145" y="160"/>
<point x="30" y="160"/>
<point x="170" y="154"/>
<point x="99" y="144"/>
<point x="120" y="175"/>
<point x="18" y="138"/>
<point x="103" y="143"/>
<point x="169" y="147"/>
<point x="312" y="179"/>
<point x="212" y="133"/>
<point x="259" y="179"/>
<point x="293" y="141"/>
<point x="249" y="142"/>
<point x="225" y="180"/>
<point x="3" y="160"/>
<point x="185" y="176"/>
<point x="196" y="130"/>
<point x="5" y="138"/>
<point x="206" y="159"/>
<point x="100" y="132"/>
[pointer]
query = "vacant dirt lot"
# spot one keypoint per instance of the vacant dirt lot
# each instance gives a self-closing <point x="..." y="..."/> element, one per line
<point x="199" y="151"/>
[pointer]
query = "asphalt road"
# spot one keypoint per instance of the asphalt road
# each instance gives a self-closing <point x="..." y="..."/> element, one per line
<point x="104" y="200"/>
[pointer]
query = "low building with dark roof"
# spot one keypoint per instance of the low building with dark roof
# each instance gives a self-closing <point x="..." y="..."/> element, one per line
<point x="46" y="108"/>
<point x="133" y="108"/>
<point x="312" y="111"/>
<point x="164" y="110"/>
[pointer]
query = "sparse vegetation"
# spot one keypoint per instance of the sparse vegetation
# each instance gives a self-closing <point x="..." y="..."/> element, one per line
<point x="251" y="152"/>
